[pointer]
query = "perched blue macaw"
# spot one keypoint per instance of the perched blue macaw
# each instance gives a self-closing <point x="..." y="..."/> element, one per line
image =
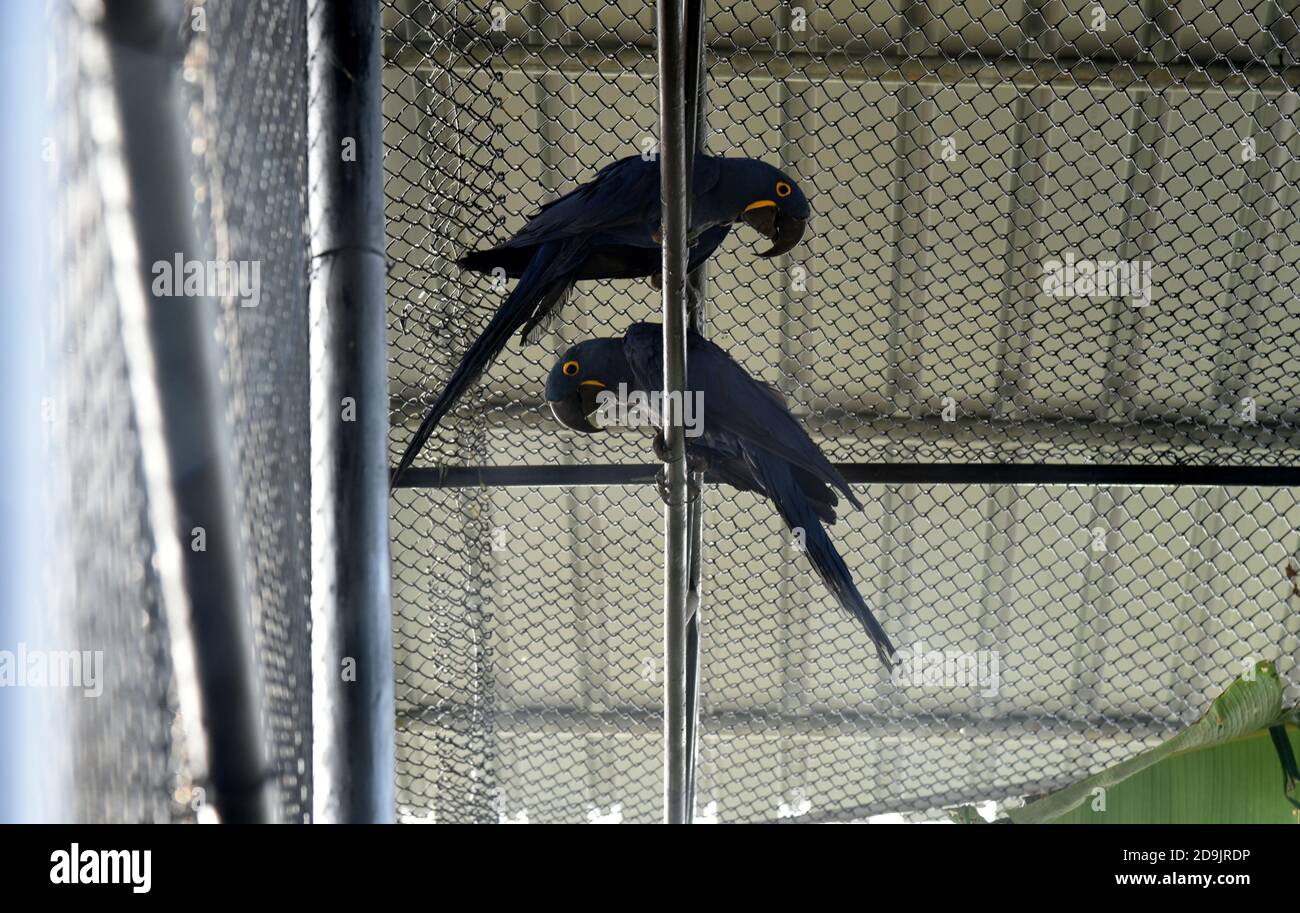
<point x="745" y="437"/>
<point x="609" y="229"/>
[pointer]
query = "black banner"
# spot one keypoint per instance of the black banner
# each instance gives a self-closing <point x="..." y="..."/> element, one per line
<point x="213" y="863"/>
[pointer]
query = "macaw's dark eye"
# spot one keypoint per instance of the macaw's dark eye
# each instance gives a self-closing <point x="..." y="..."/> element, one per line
<point x="783" y="189"/>
<point x="570" y="368"/>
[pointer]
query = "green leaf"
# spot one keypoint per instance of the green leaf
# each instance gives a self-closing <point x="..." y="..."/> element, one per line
<point x="1242" y="714"/>
<point x="965" y="814"/>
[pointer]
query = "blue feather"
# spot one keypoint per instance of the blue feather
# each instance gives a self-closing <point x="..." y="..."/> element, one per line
<point x="752" y="441"/>
<point x="799" y="513"/>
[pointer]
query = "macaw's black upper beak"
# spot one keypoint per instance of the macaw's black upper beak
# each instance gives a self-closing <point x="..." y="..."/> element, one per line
<point x="782" y="229"/>
<point x="574" y="410"/>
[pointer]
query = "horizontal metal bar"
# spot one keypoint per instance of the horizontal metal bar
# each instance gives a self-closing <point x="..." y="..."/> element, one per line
<point x="529" y="476"/>
<point x="457" y="717"/>
<point x="1172" y="476"/>
<point x="1069" y="474"/>
<point x="761" y="64"/>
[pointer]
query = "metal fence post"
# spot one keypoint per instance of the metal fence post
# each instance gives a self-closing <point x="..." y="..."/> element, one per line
<point x="674" y="163"/>
<point x="353" y="709"/>
<point x="697" y="288"/>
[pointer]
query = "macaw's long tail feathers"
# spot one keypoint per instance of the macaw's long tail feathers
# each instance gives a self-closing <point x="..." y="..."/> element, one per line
<point x="800" y="513"/>
<point x="835" y="573"/>
<point x="537" y="286"/>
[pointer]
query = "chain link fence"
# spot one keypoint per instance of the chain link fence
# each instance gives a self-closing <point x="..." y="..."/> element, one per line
<point x="1056" y="233"/>
<point x="121" y="755"/>
<point x="250" y="121"/>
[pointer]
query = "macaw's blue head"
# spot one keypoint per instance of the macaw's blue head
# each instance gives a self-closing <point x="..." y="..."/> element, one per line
<point x="769" y="201"/>
<point x="580" y="376"/>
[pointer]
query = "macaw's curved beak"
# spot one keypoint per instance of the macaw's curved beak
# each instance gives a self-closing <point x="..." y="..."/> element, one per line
<point x="783" y="230"/>
<point x="574" y="410"/>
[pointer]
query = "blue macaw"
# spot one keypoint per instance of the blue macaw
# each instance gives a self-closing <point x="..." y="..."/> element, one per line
<point x="746" y="438"/>
<point x="609" y="229"/>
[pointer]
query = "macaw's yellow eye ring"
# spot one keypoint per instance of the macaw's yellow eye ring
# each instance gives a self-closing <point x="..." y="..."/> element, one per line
<point x="783" y="189"/>
<point x="570" y="368"/>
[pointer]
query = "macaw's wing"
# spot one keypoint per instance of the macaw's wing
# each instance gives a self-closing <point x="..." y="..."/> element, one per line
<point x="726" y="461"/>
<point x="628" y="261"/>
<point x="733" y="402"/>
<point x="774" y="463"/>
<point x="619" y="262"/>
<point x="621" y="195"/>
<point x="709" y="240"/>
<point x="737" y="470"/>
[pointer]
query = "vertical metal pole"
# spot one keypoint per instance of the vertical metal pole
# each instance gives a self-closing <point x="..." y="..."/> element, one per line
<point x="674" y="162"/>
<point x="697" y="287"/>
<point x="181" y="409"/>
<point x="352" y="654"/>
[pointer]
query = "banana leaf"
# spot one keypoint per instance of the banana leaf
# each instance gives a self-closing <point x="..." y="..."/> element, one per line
<point x="1234" y="765"/>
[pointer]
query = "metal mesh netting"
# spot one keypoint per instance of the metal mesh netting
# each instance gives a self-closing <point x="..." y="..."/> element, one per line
<point x="250" y="98"/>
<point x="245" y="88"/>
<point x="957" y="158"/>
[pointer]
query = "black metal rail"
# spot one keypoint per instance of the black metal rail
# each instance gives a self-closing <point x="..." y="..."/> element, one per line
<point x="876" y="474"/>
